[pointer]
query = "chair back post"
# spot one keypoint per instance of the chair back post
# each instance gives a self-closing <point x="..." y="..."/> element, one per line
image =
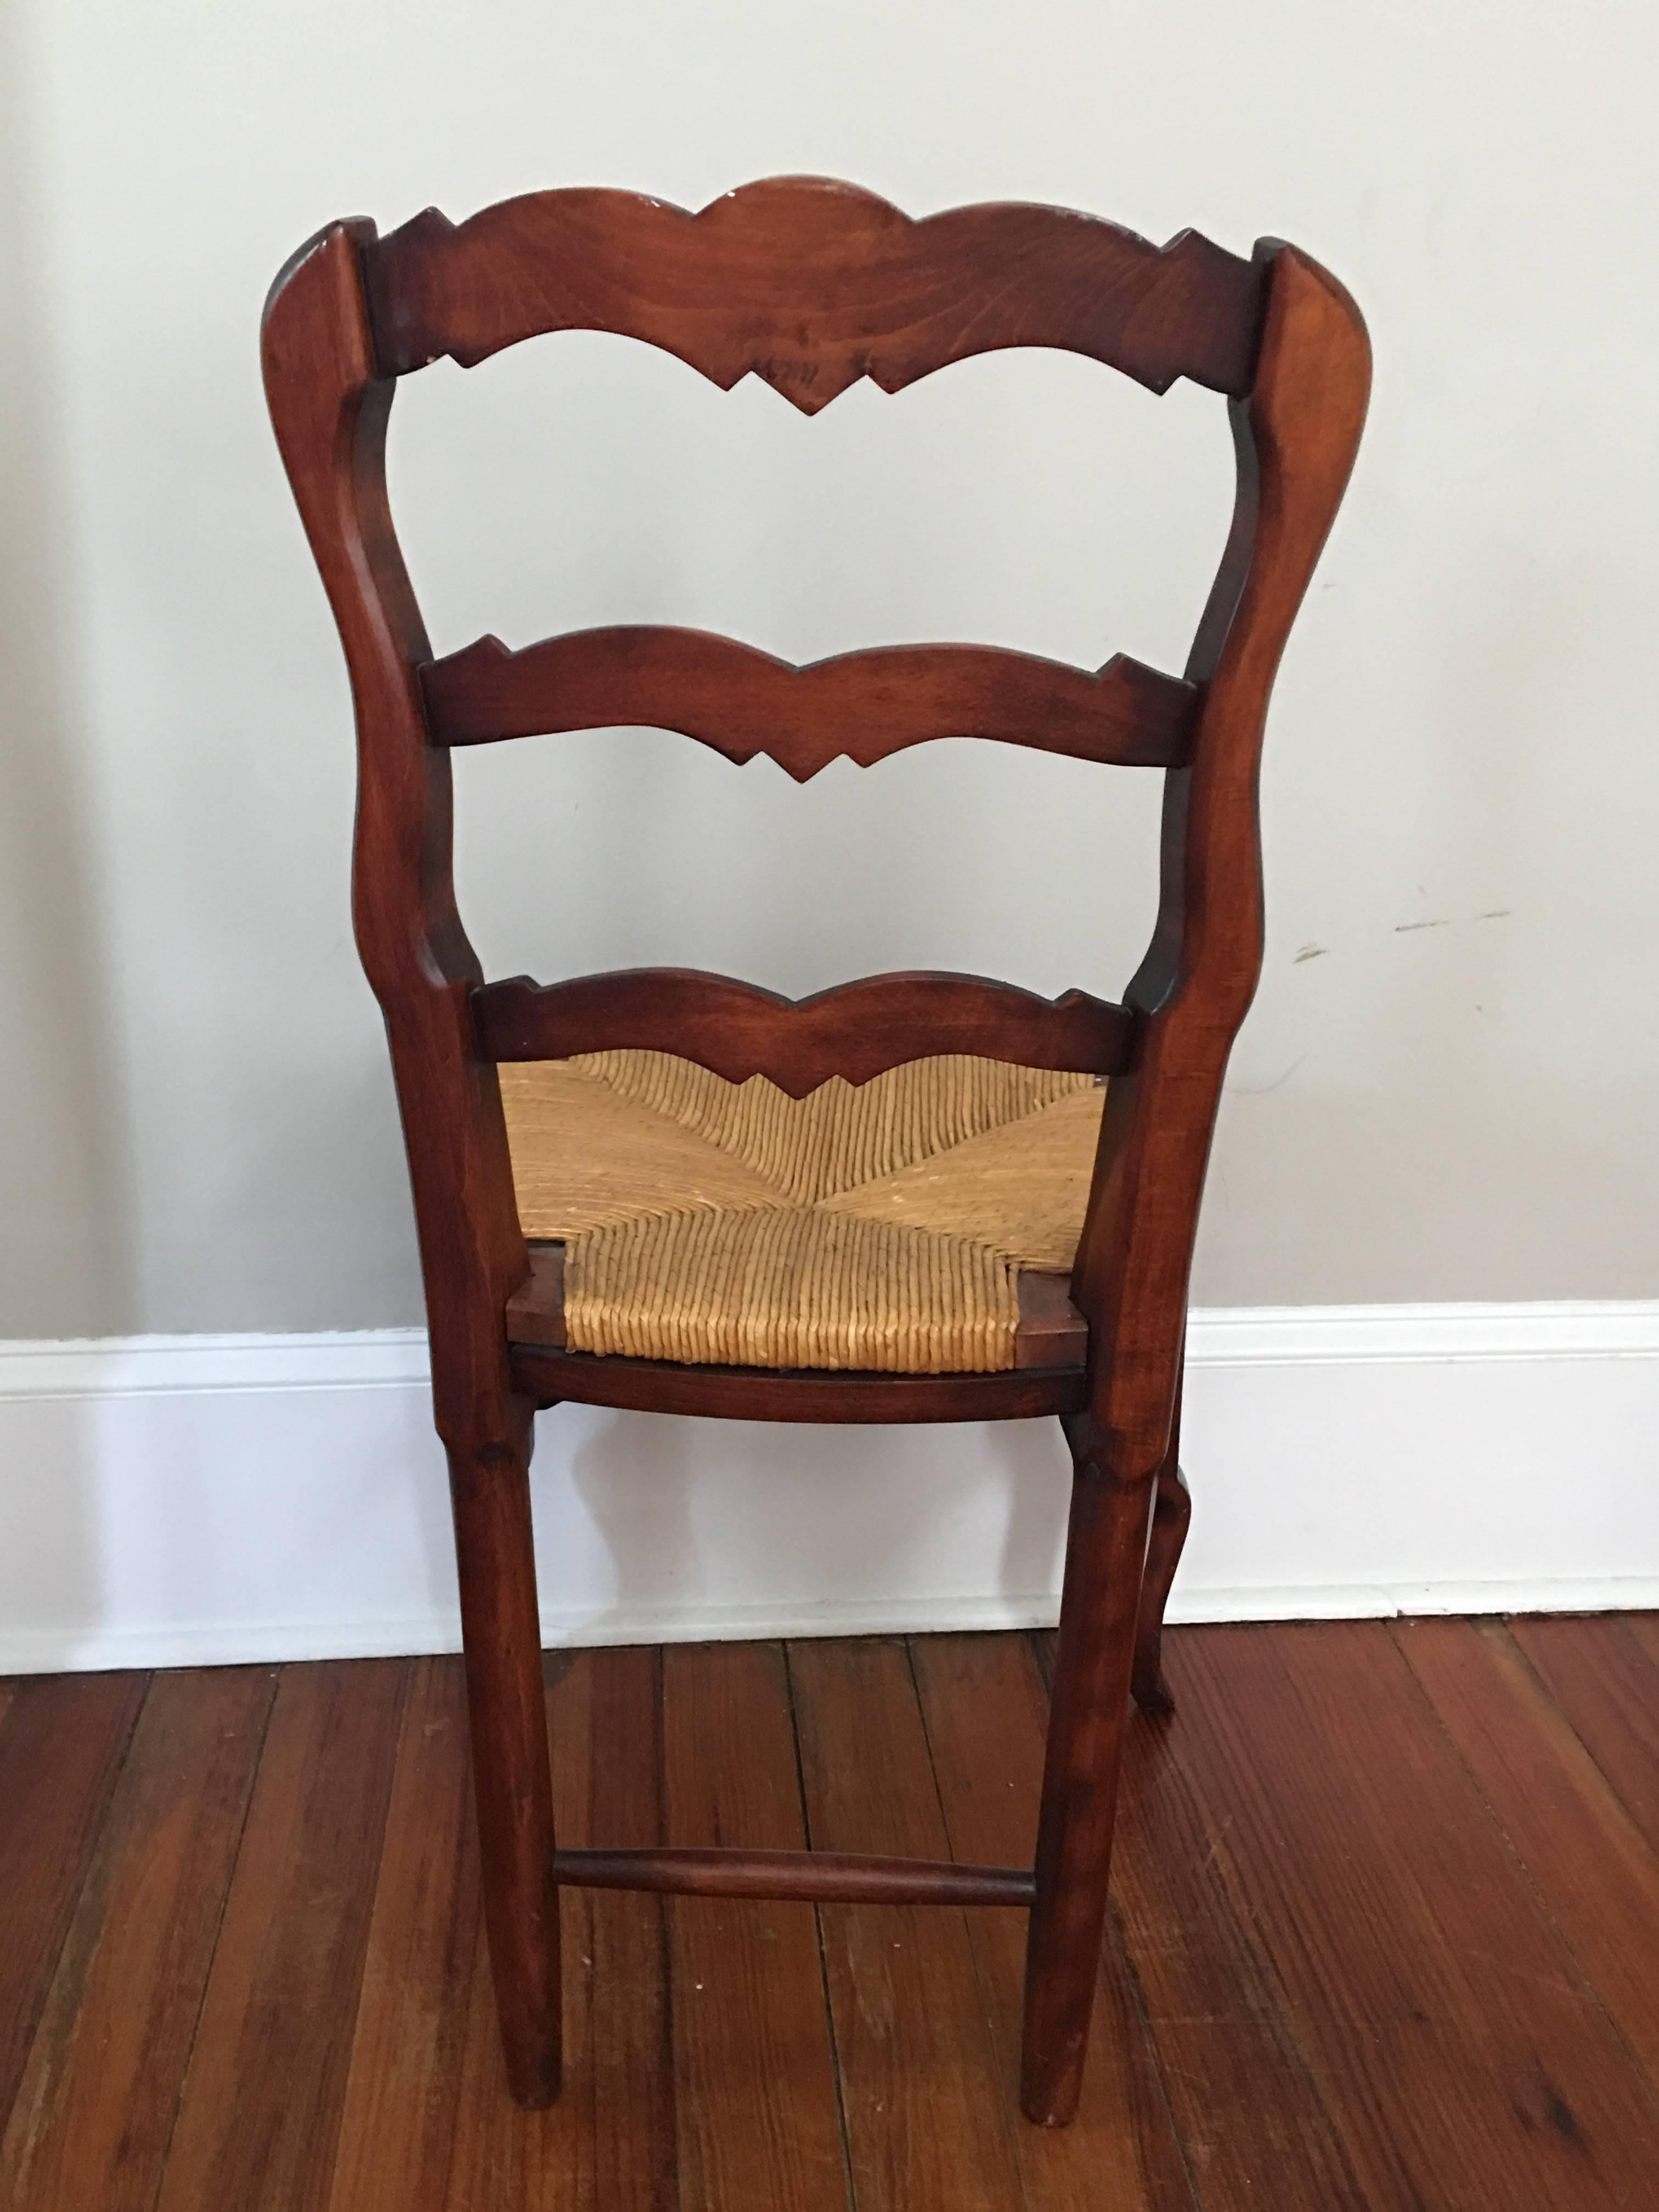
<point x="328" y="404"/>
<point x="1295" y="432"/>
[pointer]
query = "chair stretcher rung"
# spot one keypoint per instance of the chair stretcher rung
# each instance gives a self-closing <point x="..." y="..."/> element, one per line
<point x="821" y="1877"/>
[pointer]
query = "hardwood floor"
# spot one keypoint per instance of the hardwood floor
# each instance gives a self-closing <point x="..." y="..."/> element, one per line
<point x="1385" y="1934"/>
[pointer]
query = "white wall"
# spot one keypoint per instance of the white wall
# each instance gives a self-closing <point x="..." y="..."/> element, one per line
<point x="199" y="1133"/>
<point x="1446" y="1089"/>
<point x="195" y="1500"/>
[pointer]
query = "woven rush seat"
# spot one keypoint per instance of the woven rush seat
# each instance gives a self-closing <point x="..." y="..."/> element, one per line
<point x="881" y="1227"/>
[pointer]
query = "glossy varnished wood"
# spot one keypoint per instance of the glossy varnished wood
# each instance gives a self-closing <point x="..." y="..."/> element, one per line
<point x="764" y="1394"/>
<point x="811" y="284"/>
<point x="62" y="1739"/>
<point x="862" y="706"/>
<point x="756" y="2104"/>
<point x="402" y="2103"/>
<point x="1381" y="1936"/>
<point x="1560" y="1812"/>
<point x="1604" y="1674"/>
<point x="929" y="2119"/>
<point x="1209" y="1992"/>
<point x="280" y="2005"/>
<point x="1099" y="1611"/>
<point x="855" y="1030"/>
<point x="821" y="1877"/>
<point x="93" y="2116"/>
<point x="985" y="1706"/>
<point x="1461" y="2051"/>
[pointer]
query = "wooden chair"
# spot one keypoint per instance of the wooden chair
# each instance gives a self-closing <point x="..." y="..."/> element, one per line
<point x="811" y="285"/>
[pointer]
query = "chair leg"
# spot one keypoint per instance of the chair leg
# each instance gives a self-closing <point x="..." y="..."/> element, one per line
<point x="1172" y="1512"/>
<point x="1105" y="1553"/>
<point x="501" y="1630"/>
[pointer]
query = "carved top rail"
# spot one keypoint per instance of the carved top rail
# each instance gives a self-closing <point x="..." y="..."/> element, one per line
<point x="862" y="705"/>
<point x="812" y="284"/>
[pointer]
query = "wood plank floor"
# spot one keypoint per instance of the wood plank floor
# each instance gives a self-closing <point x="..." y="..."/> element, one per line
<point x="1385" y="1934"/>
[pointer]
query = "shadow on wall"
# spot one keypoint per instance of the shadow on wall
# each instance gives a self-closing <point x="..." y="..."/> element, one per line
<point x="65" y="1257"/>
<point x="65" y="1262"/>
<point x="723" y="1524"/>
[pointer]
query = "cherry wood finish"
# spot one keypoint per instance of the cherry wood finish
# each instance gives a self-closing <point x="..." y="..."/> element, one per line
<point x="500" y="1631"/>
<point x="766" y="1394"/>
<point x="854" y="1031"/>
<point x="811" y="285"/>
<point x="862" y="706"/>
<point x="821" y="1877"/>
<point x="1172" y="1513"/>
<point x="1099" y="1614"/>
<point x="1052" y="1333"/>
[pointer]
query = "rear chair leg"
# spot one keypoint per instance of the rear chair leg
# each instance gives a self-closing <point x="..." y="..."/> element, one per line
<point x="1105" y="1554"/>
<point x="1172" y="1509"/>
<point x="501" y="1630"/>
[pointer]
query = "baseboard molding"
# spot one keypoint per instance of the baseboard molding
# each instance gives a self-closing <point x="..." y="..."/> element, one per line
<point x="177" y="1501"/>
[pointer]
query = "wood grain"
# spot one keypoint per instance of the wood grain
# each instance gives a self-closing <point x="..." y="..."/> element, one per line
<point x="1461" y="2052"/>
<point x="812" y="284"/>
<point x="756" y="2098"/>
<point x="855" y="1030"/>
<point x="1604" y="1674"/>
<point x="1052" y="1333"/>
<point x="608" y="2145"/>
<point x="94" y="2113"/>
<point x="862" y="707"/>
<point x="1381" y="1936"/>
<point x="1295" y="437"/>
<point x="986" y="1714"/>
<point x="820" y="1877"/>
<point x="1216" y="2009"/>
<point x="1581" y="1847"/>
<point x="765" y="1393"/>
<point x="61" y="1741"/>
<point x="928" y="2104"/>
<point x="1099" y="1611"/>
<point x="260" y="2117"/>
<point x="425" y="1941"/>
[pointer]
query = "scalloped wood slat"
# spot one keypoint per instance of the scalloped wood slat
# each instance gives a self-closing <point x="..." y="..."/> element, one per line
<point x="809" y="285"/>
<point x="812" y="284"/>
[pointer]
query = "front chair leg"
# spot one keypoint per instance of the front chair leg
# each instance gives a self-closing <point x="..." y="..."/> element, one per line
<point x="1172" y="1510"/>
<point x="1105" y="1553"/>
<point x="500" y="1631"/>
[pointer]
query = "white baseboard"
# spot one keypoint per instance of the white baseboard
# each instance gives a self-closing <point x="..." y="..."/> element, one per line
<point x="200" y="1500"/>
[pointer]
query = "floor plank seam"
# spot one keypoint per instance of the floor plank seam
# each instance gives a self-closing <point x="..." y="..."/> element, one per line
<point x="970" y="1934"/>
<point x="1546" y="1690"/>
<point x="1529" y="1881"/>
<point x="218" y="1927"/>
<point x="1292" y="2032"/>
<point x="818" y="1929"/>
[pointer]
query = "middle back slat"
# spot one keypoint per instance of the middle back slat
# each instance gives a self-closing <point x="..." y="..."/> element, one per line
<point x="864" y="705"/>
